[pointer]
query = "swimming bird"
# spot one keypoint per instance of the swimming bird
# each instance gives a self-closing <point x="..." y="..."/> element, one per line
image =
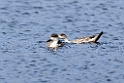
<point x="93" y="38"/>
<point x="54" y="41"/>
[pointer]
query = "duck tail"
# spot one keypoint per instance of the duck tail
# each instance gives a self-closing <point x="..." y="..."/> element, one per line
<point x="98" y="36"/>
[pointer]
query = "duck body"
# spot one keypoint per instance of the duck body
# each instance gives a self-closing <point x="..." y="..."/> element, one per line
<point x="93" y="38"/>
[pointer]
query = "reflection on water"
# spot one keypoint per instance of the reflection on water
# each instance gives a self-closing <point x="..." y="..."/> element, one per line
<point x="26" y="25"/>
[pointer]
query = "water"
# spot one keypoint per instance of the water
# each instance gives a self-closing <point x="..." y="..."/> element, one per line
<point x="25" y="25"/>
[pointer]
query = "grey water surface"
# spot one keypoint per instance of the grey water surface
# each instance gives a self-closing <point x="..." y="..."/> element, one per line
<point x="25" y="25"/>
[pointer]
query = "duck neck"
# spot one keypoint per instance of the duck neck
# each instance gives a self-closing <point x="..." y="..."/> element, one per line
<point x="66" y="40"/>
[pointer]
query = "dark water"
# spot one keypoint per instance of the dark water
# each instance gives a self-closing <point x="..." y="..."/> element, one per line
<point x="25" y="25"/>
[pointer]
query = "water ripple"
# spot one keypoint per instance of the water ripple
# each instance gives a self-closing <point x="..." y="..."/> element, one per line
<point x="26" y="25"/>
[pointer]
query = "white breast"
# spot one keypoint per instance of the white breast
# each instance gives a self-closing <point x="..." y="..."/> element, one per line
<point x="54" y="44"/>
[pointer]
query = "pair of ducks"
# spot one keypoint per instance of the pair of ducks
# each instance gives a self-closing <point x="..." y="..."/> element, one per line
<point x="54" y="41"/>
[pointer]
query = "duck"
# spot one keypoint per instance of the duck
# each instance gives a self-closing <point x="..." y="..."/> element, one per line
<point x="86" y="39"/>
<point x="54" y="41"/>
